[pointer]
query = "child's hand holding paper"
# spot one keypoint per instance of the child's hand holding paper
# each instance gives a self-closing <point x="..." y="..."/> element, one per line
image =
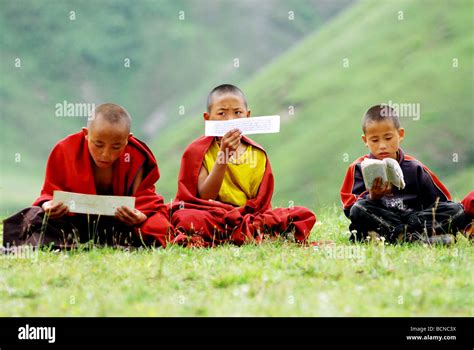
<point x="380" y="175"/>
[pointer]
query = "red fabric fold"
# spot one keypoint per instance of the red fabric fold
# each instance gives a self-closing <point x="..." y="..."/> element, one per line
<point x="468" y="203"/>
<point x="217" y="222"/>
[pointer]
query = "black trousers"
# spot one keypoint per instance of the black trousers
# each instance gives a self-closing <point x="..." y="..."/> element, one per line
<point x="405" y="224"/>
<point x="31" y="226"/>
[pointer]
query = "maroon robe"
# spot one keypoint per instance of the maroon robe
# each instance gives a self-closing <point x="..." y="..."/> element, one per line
<point x="206" y="222"/>
<point x="468" y="203"/>
<point x="69" y="168"/>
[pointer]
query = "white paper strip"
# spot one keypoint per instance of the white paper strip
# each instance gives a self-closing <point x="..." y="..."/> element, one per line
<point x="93" y="204"/>
<point x="255" y="125"/>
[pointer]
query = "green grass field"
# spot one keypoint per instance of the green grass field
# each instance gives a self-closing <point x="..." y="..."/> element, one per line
<point x="273" y="279"/>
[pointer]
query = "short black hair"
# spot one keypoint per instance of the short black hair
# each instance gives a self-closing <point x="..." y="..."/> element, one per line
<point x="224" y="89"/>
<point x="380" y="113"/>
<point x="113" y="113"/>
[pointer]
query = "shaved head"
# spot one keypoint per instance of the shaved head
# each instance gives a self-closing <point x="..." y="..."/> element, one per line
<point x="222" y="90"/>
<point x="113" y="114"/>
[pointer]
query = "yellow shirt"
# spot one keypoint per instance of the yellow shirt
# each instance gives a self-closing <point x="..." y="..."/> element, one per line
<point x="242" y="177"/>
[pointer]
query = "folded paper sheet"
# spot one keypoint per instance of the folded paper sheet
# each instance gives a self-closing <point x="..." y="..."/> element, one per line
<point x="255" y="125"/>
<point x="93" y="204"/>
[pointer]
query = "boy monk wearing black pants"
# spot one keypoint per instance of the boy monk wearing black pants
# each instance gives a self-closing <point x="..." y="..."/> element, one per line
<point x="420" y="211"/>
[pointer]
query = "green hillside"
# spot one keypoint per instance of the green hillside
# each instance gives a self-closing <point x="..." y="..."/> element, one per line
<point x="75" y="51"/>
<point x="408" y="60"/>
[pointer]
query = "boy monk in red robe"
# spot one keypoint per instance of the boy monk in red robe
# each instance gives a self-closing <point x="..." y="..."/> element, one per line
<point x="103" y="159"/>
<point x="225" y="186"/>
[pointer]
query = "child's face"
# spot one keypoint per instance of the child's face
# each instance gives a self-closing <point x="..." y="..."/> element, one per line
<point x="106" y="142"/>
<point x="383" y="139"/>
<point x="227" y="106"/>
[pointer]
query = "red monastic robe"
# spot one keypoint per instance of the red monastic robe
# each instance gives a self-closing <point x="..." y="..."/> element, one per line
<point x="215" y="222"/>
<point x="69" y="168"/>
<point x="468" y="203"/>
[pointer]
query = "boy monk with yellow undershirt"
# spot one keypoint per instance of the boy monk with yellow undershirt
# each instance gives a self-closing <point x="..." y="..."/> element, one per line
<point x="225" y="186"/>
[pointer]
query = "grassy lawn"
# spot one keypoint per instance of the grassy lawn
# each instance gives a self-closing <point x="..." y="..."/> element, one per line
<point x="273" y="279"/>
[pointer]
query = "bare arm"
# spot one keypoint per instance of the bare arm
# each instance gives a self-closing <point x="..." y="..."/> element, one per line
<point x="132" y="217"/>
<point x="209" y="184"/>
<point x="138" y="181"/>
